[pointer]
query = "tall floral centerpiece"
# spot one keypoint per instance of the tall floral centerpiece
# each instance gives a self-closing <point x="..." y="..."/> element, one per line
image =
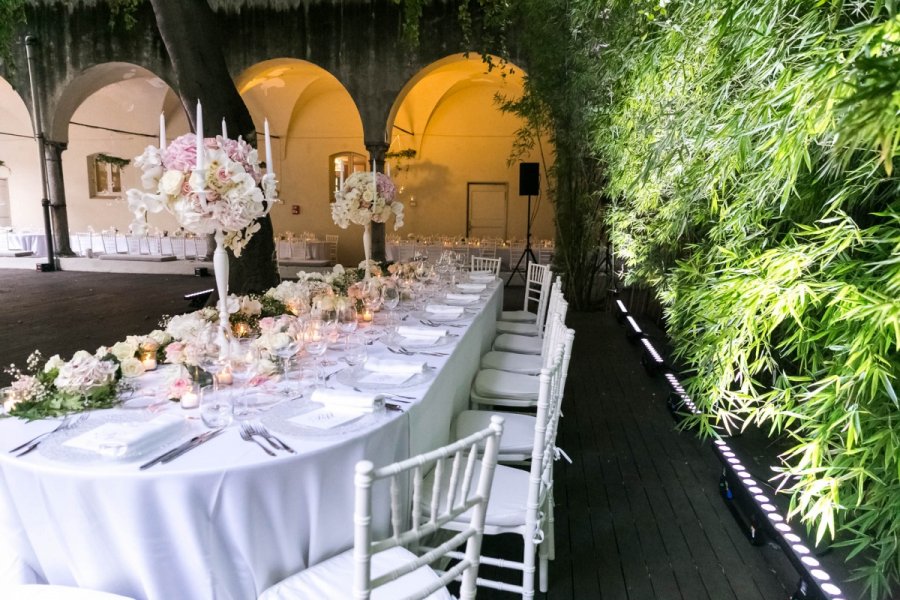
<point x="364" y="198"/>
<point x="211" y="186"/>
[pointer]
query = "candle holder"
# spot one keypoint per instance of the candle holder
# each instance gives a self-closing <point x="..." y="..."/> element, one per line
<point x="148" y="360"/>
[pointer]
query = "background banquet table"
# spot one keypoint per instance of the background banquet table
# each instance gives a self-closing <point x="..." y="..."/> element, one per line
<point x="223" y="521"/>
<point x="36" y="243"/>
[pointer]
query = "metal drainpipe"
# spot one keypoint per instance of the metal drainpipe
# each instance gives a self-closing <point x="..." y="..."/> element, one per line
<point x="30" y="42"/>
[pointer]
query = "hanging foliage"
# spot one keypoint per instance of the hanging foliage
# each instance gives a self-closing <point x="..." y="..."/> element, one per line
<point x="751" y="146"/>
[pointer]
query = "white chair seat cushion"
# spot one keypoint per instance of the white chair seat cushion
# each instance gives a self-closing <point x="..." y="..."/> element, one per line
<point x="490" y="383"/>
<point x="55" y="592"/>
<point x="333" y="579"/>
<point x="518" y="316"/>
<point x="530" y="364"/>
<point x="520" y="344"/>
<point x="518" y="430"/>
<point x="509" y="493"/>
<point x="529" y="329"/>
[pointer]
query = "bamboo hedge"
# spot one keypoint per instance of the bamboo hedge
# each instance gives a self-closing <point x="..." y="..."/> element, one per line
<point x="751" y="148"/>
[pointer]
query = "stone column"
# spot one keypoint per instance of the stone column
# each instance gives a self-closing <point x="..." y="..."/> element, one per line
<point x="377" y="150"/>
<point x="57" y="192"/>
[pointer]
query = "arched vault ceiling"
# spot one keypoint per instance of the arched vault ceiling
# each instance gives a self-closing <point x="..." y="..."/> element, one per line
<point x="425" y="93"/>
<point x="277" y="88"/>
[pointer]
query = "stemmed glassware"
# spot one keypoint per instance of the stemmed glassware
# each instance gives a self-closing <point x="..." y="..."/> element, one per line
<point x="348" y="320"/>
<point x="315" y="338"/>
<point x="390" y="296"/>
<point x="355" y="351"/>
<point x="285" y="355"/>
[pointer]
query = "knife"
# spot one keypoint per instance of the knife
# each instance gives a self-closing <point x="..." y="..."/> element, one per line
<point x="179" y="450"/>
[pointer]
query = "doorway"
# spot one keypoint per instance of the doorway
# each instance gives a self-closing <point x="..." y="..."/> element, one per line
<point x="486" y="210"/>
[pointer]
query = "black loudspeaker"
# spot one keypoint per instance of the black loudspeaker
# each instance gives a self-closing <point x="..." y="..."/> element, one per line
<point x="529" y="179"/>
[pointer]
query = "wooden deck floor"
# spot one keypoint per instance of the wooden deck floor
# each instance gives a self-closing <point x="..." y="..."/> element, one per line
<point x="638" y="513"/>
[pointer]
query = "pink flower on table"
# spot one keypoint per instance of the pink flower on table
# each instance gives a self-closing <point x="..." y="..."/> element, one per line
<point x="175" y="353"/>
<point x="179" y="386"/>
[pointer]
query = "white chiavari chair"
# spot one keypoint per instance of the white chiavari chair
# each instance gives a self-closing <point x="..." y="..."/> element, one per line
<point x="331" y="244"/>
<point x="134" y="244"/>
<point x="284" y="250"/>
<point x="537" y="287"/>
<point x="495" y="387"/>
<point x="530" y="344"/>
<point x="201" y="247"/>
<point x="154" y="245"/>
<point x="522" y="501"/>
<point x="491" y="265"/>
<point x="110" y="245"/>
<point x="389" y="568"/>
<point x="488" y="249"/>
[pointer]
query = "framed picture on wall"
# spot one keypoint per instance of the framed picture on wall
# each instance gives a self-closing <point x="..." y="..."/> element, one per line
<point x="105" y="175"/>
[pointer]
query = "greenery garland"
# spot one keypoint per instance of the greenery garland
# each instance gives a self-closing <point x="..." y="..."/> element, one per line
<point x="112" y="160"/>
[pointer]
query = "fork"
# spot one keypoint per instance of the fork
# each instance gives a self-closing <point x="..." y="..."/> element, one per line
<point x="68" y="423"/>
<point x="431" y="323"/>
<point x="248" y="437"/>
<point x="276" y="443"/>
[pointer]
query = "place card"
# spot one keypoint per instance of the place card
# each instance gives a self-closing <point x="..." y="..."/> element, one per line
<point x="327" y="417"/>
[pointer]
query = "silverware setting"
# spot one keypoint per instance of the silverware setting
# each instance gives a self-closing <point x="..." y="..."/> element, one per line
<point x="258" y="429"/>
<point x="183" y="448"/>
<point x="431" y="323"/>
<point x="407" y="352"/>
<point x="248" y="437"/>
<point x="69" y="422"/>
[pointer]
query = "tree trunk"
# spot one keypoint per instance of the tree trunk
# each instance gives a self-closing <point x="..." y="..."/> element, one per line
<point x="189" y="29"/>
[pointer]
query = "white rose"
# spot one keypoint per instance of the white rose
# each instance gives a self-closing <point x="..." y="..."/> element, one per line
<point x="123" y="350"/>
<point x="250" y="306"/>
<point x="171" y="181"/>
<point x="279" y="340"/>
<point x="131" y="367"/>
<point x="54" y="362"/>
<point x="160" y="337"/>
<point x="266" y="367"/>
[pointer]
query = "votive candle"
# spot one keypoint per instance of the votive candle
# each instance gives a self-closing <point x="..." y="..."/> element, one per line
<point x="148" y="359"/>
<point x="224" y="377"/>
<point x="190" y="399"/>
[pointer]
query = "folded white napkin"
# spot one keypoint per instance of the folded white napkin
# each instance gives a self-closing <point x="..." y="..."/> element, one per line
<point x="444" y="309"/>
<point x="481" y="276"/>
<point x="346" y="399"/>
<point x="463" y="298"/>
<point x="472" y="287"/>
<point x="128" y="438"/>
<point x="390" y="365"/>
<point x="421" y="333"/>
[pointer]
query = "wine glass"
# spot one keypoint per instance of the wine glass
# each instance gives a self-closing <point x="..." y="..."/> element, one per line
<point x="356" y="353"/>
<point x="390" y="296"/>
<point x="315" y="339"/>
<point x="285" y="354"/>
<point x="242" y="362"/>
<point x="347" y="320"/>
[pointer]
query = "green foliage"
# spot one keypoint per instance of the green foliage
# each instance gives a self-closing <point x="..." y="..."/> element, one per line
<point x="750" y="148"/>
<point x="112" y="160"/>
<point x="12" y="14"/>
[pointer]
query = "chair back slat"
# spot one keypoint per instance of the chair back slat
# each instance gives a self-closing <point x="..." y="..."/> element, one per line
<point x="470" y="501"/>
<point x="482" y="263"/>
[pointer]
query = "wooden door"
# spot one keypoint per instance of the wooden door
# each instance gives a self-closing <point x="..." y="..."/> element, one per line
<point x="486" y="211"/>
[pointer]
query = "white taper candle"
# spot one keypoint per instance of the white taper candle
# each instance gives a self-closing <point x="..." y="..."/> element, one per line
<point x="224" y="129"/>
<point x="201" y="153"/>
<point x="270" y="161"/>
<point x="162" y="132"/>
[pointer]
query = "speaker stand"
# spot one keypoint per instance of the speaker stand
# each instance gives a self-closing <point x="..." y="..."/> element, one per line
<point x="526" y="254"/>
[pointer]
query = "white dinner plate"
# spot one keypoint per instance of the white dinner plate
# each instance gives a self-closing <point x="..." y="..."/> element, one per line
<point x="398" y="342"/>
<point x="279" y="420"/>
<point x="424" y="315"/>
<point x="353" y="377"/>
<point x="54" y="446"/>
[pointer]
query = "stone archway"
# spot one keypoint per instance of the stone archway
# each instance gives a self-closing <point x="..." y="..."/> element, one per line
<point x="113" y="109"/>
<point x="20" y="173"/>
<point x="447" y="115"/>
<point x="311" y="117"/>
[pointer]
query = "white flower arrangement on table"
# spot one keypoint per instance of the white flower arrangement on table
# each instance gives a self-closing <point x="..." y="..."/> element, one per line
<point x="233" y="193"/>
<point x="359" y="201"/>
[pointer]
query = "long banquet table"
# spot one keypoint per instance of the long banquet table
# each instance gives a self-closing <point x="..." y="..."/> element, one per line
<point x="225" y="520"/>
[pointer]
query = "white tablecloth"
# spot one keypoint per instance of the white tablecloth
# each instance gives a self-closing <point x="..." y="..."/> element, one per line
<point x="223" y="521"/>
<point x="36" y="243"/>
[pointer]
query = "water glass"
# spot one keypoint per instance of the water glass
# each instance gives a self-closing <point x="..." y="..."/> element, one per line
<point x="356" y="352"/>
<point x="216" y="408"/>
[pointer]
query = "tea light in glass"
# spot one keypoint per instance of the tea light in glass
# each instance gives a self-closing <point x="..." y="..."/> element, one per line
<point x="241" y="330"/>
<point x="190" y="399"/>
<point x="148" y="359"/>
